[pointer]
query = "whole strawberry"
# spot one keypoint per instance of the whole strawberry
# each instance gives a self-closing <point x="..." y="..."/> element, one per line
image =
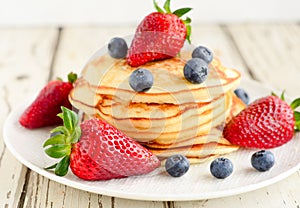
<point x="96" y="150"/>
<point x="160" y="35"/>
<point x="44" y="109"/>
<point x="266" y="123"/>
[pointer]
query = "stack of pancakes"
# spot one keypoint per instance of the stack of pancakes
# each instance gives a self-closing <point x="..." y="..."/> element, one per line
<point x="174" y="116"/>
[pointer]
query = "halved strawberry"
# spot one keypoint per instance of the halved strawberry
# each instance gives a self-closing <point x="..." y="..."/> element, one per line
<point x="266" y="123"/>
<point x="44" y="109"/>
<point x="160" y="35"/>
<point x="96" y="150"/>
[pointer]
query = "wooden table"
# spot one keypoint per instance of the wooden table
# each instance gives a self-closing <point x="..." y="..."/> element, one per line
<point x="29" y="57"/>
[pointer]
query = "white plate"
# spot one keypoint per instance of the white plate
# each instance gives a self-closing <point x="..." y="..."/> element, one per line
<point x="26" y="146"/>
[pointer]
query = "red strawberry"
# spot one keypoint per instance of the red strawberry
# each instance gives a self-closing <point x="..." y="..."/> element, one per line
<point x="160" y="35"/>
<point x="266" y="123"/>
<point x="96" y="150"/>
<point x="44" y="109"/>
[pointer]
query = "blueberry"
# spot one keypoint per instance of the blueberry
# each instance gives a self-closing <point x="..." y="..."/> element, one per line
<point x="262" y="160"/>
<point x="177" y="165"/>
<point x="203" y="53"/>
<point x="221" y="168"/>
<point x="242" y="94"/>
<point x="117" y="48"/>
<point x="141" y="80"/>
<point x="196" y="70"/>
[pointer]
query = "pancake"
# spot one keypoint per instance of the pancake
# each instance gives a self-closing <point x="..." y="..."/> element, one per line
<point x="174" y="116"/>
<point x="198" y="152"/>
<point x="202" y="147"/>
<point x="153" y="116"/>
<point x="107" y="76"/>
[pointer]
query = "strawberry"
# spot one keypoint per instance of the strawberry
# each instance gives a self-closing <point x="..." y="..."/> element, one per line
<point x="160" y="35"/>
<point x="266" y="123"/>
<point x="43" y="110"/>
<point x="96" y="150"/>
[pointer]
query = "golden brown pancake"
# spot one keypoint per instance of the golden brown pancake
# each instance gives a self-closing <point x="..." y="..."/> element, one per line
<point x="201" y="147"/>
<point x="174" y="116"/>
<point x="108" y="76"/>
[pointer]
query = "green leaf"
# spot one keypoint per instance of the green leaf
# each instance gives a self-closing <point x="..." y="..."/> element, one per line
<point x="297" y="120"/>
<point x="70" y="118"/>
<point x="188" y="33"/>
<point x="75" y="136"/>
<point x="274" y="94"/>
<point x="181" y="12"/>
<point x="60" y="129"/>
<point x="297" y="116"/>
<point x="157" y="7"/>
<point x="51" y="167"/>
<point x="57" y="139"/>
<point x="63" y="166"/>
<point x="59" y="150"/>
<point x="67" y="118"/>
<point x="282" y="95"/>
<point x="72" y="77"/>
<point x="187" y="21"/>
<point x="167" y="6"/>
<point x="295" y="104"/>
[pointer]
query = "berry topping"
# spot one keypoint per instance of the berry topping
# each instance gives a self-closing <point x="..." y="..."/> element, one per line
<point x="160" y="35"/>
<point x="203" y="53"/>
<point x="117" y="48"/>
<point x="196" y="70"/>
<point x="221" y="168"/>
<point x="177" y="165"/>
<point x="141" y="80"/>
<point x="266" y="123"/>
<point x="96" y="150"/>
<point x="242" y="94"/>
<point x="262" y="160"/>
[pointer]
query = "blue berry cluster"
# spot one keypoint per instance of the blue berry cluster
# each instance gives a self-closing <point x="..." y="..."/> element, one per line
<point x="262" y="161"/>
<point x="196" y="69"/>
<point x="177" y="165"/>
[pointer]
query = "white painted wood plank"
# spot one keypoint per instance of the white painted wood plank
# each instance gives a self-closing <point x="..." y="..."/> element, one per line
<point x="77" y="45"/>
<point x="25" y="56"/>
<point x="272" y="53"/>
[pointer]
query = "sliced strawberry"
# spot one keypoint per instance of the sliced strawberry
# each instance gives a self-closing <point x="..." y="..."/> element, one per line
<point x="160" y="35"/>
<point x="96" y="150"/>
<point x="268" y="122"/>
<point x="44" y="109"/>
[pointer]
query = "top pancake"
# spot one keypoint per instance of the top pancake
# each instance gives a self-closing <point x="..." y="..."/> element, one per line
<point x="108" y="76"/>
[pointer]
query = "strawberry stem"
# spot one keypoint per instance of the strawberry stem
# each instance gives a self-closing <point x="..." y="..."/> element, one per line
<point x="60" y="144"/>
<point x="72" y="77"/>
